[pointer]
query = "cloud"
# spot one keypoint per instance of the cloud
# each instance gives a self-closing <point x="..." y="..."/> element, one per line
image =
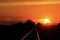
<point x="24" y="0"/>
<point x="29" y="3"/>
<point x="18" y="0"/>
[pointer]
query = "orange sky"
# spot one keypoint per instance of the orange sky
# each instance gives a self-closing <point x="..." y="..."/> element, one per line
<point x="34" y="10"/>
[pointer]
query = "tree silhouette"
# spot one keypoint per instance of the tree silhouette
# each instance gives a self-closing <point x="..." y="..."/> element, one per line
<point x="29" y="24"/>
<point x="18" y="30"/>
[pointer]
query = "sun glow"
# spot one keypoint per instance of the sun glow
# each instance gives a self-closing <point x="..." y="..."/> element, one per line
<point x="44" y="21"/>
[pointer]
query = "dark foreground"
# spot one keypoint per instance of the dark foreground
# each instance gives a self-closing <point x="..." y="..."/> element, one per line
<point x="19" y="30"/>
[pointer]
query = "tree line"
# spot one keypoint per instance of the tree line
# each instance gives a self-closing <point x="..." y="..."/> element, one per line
<point x="19" y="30"/>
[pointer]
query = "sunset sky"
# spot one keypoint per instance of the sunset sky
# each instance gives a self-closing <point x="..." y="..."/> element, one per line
<point x="15" y="10"/>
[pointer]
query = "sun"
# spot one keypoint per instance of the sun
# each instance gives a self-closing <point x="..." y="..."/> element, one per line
<point x="44" y="21"/>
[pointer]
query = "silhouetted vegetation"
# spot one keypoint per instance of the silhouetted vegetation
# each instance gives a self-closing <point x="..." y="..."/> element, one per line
<point x="19" y="30"/>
